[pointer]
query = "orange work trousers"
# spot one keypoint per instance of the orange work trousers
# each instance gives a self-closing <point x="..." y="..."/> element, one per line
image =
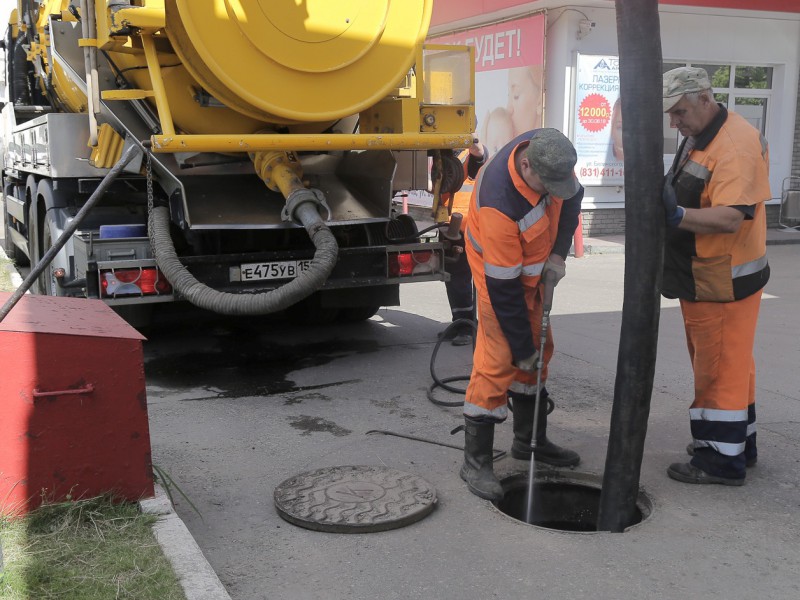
<point x="493" y="372"/>
<point x="720" y="337"/>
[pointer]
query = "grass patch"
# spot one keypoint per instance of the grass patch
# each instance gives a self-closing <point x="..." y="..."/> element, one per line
<point x="85" y="550"/>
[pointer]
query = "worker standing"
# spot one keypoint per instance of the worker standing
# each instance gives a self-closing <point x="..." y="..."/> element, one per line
<point x="459" y="286"/>
<point x="716" y="264"/>
<point x="523" y="212"/>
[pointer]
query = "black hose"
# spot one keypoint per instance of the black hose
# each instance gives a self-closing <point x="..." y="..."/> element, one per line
<point x="442" y="383"/>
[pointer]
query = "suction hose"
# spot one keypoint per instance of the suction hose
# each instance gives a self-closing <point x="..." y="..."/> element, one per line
<point x="301" y="206"/>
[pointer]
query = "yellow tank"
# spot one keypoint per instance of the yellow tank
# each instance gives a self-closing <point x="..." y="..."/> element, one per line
<point x="241" y="66"/>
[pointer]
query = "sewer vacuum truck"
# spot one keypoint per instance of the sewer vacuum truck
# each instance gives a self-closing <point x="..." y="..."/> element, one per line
<point x="264" y="142"/>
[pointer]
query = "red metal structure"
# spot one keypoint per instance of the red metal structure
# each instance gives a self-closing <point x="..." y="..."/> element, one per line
<point x="73" y="406"/>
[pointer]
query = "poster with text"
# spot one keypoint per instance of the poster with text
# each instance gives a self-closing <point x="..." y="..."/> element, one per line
<point x="509" y="73"/>
<point x="598" y="121"/>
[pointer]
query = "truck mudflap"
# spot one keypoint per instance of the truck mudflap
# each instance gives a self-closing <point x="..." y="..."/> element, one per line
<point x="122" y="271"/>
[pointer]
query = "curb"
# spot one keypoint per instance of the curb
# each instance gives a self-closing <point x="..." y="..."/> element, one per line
<point x="197" y="578"/>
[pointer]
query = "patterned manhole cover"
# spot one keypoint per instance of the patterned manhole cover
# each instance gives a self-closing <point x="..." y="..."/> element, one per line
<point x="354" y="499"/>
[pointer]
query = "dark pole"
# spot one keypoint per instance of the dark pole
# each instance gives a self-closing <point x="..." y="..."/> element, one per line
<point x="39" y="268"/>
<point x="639" y="38"/>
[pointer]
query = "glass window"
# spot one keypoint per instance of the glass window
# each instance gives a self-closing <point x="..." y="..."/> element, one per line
<point x="720" y="75"/>
<point x="754" y="110"/>
<point x="753" y="78"/>
<point x="722" y="99"/>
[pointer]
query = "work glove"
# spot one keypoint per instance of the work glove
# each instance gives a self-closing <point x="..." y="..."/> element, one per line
<point x="673" y="214"/>
<point x="554" y="264"/>
<point x="529" y="364"/>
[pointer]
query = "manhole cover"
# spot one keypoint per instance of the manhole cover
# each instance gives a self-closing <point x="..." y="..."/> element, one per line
<point x="354" y="499"/>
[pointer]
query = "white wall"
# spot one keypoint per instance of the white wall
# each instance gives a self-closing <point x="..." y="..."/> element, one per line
<point x="692" y="35"/>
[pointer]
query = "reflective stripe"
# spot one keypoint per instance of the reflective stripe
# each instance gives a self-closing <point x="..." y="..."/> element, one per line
<point x="467" y="187"/>
<point x="748" y="268"/>
<point x="697" y="170"/>
<point x="529" y="389"/>
<point x="717" y="414"/>
<point x="498" y="272"/>
<point x="533" y="216"/>
<point x="474" y="242"/>
<point x="751" y="428"/>
<point x="473" y="410"/>
<point x="533" y="270"/>
<point x="721" y="447"/>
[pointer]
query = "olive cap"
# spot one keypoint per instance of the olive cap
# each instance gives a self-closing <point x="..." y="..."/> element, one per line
<point x="552" y="157"/>
<point x="683" y="80"/>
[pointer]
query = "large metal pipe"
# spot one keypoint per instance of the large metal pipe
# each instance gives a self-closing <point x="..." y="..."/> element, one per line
<point x="638" y="34"/>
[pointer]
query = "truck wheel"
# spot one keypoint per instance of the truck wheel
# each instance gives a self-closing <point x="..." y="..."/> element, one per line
<point x="14" y="253"/>
<point x="46" y="283"/>
<point x="355" y="314"/>
<point x="311" y="312"/>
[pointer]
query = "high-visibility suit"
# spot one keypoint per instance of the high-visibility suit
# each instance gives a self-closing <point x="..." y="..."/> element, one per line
<point x="459" y="286"/>
<point x="511" y="231"/>
<point x="718" y="278"/>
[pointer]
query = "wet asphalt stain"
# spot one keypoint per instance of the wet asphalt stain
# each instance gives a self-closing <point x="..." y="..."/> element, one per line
<point x="309" y="425"/>
<point x="395" y="407"/>
<point x="299" y="399"/>
<point x="247" y="364"/>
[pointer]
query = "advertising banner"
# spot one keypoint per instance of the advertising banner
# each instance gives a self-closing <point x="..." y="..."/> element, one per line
<point x="509" y="70"/>
<point x="598" y="121"/>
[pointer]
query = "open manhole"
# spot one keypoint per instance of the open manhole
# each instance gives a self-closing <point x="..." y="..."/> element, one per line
<point x="569" y="504"/>
<point x="354" y="499"/>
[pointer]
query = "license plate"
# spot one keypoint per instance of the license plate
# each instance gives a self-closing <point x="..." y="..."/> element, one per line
<point x="284" y="269"/>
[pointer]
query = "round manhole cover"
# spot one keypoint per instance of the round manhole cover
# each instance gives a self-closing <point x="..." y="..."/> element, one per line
<point x="354" y="499"/>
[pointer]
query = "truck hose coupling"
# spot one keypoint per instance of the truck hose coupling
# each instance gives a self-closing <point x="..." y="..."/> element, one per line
<point x="302" y="196"/>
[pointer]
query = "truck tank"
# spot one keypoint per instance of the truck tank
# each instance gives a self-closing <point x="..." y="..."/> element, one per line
<point x="272" y="137"/>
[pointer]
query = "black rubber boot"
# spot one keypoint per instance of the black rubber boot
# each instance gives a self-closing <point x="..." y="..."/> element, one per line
<point x="477" y="468"/>
<point x="546" y="451"/>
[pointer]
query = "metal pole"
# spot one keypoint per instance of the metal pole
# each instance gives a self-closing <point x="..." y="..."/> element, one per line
<point x="638" y="33"/>
<point x="547" y="304"/>
<point x="71" y="228"/>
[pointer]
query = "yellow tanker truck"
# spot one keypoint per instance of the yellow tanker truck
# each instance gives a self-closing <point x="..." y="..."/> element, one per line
<point x="256" y="147"/>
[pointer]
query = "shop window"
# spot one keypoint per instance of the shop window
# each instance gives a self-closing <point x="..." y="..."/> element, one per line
<point x="748" y="87"/>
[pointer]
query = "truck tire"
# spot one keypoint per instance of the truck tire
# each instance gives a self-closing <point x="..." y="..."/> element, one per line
<point x="11" y="250"/>
<point x="356" y="314"/>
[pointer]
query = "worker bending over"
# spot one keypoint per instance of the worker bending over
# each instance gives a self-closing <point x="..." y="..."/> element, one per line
<point x="523" y="212"/>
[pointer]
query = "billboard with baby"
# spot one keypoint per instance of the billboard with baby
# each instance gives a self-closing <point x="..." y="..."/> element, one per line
<point x="509" y="70"/>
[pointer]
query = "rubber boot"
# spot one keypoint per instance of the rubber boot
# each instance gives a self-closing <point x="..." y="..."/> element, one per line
<point x="477" y="468"/>
<point x="546" y="451"/>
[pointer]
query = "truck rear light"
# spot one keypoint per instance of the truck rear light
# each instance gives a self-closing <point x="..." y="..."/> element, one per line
<point x="403" y="264"/>
<point x="147" y="281"/>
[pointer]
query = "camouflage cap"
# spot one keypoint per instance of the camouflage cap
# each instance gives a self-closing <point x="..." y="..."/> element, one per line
<point x="552" y="157"/>
<point x="683" y="80"/>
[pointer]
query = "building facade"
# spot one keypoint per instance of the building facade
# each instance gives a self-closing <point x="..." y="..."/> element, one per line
<point x="541" y="63"/>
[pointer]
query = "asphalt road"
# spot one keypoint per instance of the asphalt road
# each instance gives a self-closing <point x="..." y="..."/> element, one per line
<point x="238" y="406"/>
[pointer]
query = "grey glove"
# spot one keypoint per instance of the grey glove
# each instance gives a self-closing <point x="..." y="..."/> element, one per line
<point x="558" y="270"/>
<point x="529" y="364"/>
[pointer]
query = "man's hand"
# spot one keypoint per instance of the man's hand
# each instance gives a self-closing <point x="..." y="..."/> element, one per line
<point x="529" y="364"/>
<point x="556" y="265"/>
<point x="673" y="214"/>
<point x="476" y="149"/>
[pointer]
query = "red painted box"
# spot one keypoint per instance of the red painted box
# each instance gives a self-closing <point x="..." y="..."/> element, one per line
<point x="73" y="404"/>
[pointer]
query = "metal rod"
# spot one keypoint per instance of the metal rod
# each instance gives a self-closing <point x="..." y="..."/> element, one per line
<point x="547" y="304"/>
<point x="303" y="142"/>
<point x="70" y="229"/>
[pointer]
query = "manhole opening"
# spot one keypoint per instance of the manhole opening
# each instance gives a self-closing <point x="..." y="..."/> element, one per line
<point x="561" y="505"/>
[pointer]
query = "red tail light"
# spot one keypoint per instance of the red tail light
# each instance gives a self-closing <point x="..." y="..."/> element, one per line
<point x="403" y="264"/>
<point x="133" y="282"/>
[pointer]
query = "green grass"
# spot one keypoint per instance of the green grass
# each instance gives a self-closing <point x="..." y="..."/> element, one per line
<point x="85" y="550"/>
